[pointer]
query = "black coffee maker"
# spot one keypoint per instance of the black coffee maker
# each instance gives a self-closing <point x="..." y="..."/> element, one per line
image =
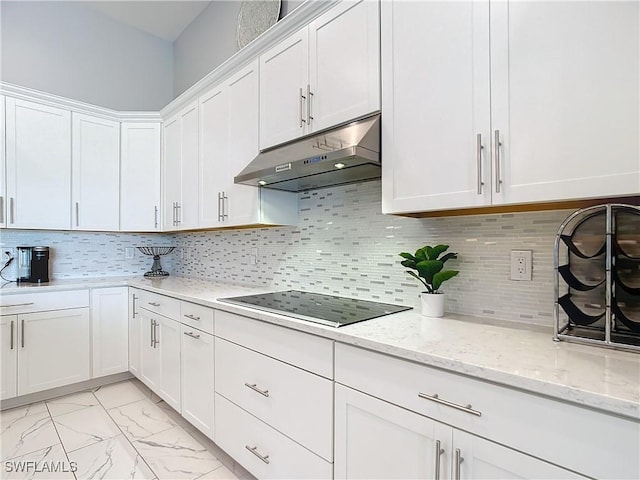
<point x="33" y="264"/>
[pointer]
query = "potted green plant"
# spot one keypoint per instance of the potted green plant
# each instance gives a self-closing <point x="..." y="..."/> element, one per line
<point x="427" y="265"/>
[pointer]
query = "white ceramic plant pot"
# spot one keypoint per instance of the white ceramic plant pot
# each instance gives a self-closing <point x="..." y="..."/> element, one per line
<point x="432" y="304"/>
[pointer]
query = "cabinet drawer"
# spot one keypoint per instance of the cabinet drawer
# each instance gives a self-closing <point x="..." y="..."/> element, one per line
<point x="236" y="432"/>
<point x="561" y="433"/>
<point x="197" y="316"/>
<point x="153" y="302"/>
<point x="43" y="301"/>
<point x="293" y="401"/>
<point x="305" y="351"/>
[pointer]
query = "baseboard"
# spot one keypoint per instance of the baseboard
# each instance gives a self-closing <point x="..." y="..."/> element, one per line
<point x="61" y="391"/>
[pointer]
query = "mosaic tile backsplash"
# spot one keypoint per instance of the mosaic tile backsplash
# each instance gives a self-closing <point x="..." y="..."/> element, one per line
<point x="87" y="254"/>
<point x="342" y="245"/>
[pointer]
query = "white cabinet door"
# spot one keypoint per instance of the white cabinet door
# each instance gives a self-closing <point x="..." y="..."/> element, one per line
<point x="95" y="173"/>
<point x="435" y="99"/>
<point x="53" y="349"/>
<point x="214" y="146"/>
<point x="480" y="459"/>
<point x="135" y="333"/>
<point x="344" y="63"/>
<point x="3" y="166"/>
<point x="375" y="439"/>
<point x="283" y="90"/>
<point x="180" y="172"/>
<point x="109" y="325"/>
<point x="149" y="353"/>
<point x="38" y="147"/>
<point x="168" y="344"/>
<point x="9" y="356"/>
<point x="171" y="172"/>
<point x="197" y="378"/>
<point x="140" y="177"/>
<point x="565" y="99"/>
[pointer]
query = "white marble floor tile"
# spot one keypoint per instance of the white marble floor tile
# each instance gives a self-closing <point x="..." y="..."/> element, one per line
<point x="118" y="394"/>
<point x="113" y="459"/>
<point x="141" y="419"/>
<point x="222" y="473"/>
<point x="174" y="454"/>
<point x="71" y="403"/>
<point x="49" y="463"/>
<point x="85" y="427"/>
<point x="20" y="412"/>
<point x="21" y="435"/>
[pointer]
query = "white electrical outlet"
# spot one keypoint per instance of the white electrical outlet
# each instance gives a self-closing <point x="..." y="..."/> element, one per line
<point x="253" y="258"/>
<point x="128" y="253"/>
<point x="521" y="264"/>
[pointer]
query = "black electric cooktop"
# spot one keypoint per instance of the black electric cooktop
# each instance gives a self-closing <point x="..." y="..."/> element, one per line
<point x="316" y="307"/>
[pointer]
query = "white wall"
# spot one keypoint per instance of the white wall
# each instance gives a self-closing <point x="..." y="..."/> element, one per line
<point x="65" y="49"/>
<point x="210" y="40"/>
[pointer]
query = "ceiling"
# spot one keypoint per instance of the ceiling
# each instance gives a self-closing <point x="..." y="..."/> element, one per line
<point x="164" y="19"/>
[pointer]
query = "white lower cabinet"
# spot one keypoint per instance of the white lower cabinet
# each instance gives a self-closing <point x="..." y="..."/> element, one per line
<point x="53" y="349"/>
<point x="109" y="325"/>
<point x="160" y="356"/>
<point x="378" y="440"/>
<point x="9" y="356"/>
<point x="197" y="378"/>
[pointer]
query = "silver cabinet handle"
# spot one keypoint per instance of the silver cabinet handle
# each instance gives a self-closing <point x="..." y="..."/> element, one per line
<point x="497" y="145"/>
<point x="178" y="213"/>
<point x="16" y="305"/>
<point x="192" y="317"/>
<point x="151" y="335"/>
<point x="219" y="207"/>
<point x="457" y="463"/>
<point x="154" y="304"/>
<point x="192" y="335"/>
<point x="11" y="334"/>
<point x="224" y="198"/>
<point x="309" y="95"/>
<point x="22" y="339"/>
<point x="155" y="216"/>
<point x="301" y="100"/>
<point x="1" y="209"/>
<point x="439" y="452"/>
<point x="174" y="213"/>
<point x="134" y="305"/>
<point x="437" y="399"/>
<point x="11" y="210"/>
<point x="479" y="149"/>
<point x="252" y="386"/>
<point x="155" y="334"/>
<point x="77" y="214"/>
<point x="254" y="450"/>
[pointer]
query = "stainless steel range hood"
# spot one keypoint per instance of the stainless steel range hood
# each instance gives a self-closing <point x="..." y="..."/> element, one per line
<point x="346" y="154"/>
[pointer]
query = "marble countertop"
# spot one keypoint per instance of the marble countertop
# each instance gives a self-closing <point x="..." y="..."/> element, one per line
<point x="515" y="355"/>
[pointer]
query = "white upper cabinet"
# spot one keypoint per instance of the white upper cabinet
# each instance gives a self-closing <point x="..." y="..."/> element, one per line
<point x="214" y="146"/>
<point x="180" y="170"/>
<point x="561" y="103"/>
<point x="228" y="142"/>
<point x="140" y="177"/>
<point x="3" y="166"/>
<point x="566" y="99"/>
<point x="435" y="104"/>
<point x="323" y="75"/>
<point x="38" y="160"/>
<point x="95" y="173"/>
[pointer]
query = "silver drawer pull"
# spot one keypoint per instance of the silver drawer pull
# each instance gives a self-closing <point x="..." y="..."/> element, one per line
<point x="154" y="304"/>
<point x="264" y="393"/>
<point x="437" y="399"/>
<point x="192" y="335"/>
<point x="17" y="305"/>
<point x="254" y="450"/>
<point x="193" y="317"/>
